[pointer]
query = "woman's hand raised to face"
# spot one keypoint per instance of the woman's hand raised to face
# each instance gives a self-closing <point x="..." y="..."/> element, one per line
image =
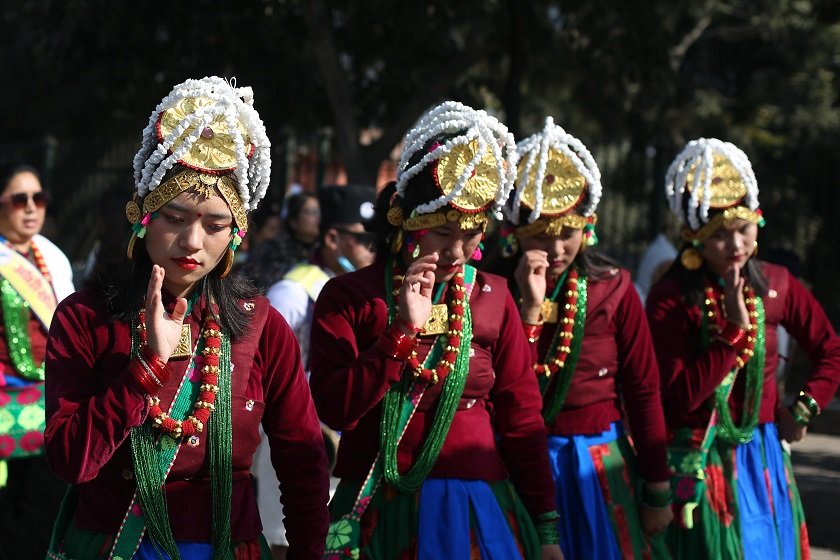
<point x="416" y="291"/>
<point x="530" y="278"/>
<point x="733" y="298"/>
<point x="163" y="330"/>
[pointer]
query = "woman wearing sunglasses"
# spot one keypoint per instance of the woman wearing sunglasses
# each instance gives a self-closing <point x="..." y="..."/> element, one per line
<point x="34" y="275"/>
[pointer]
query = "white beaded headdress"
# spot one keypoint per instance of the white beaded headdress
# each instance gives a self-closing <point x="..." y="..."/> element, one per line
<point x="474" y="170"/>
<point x="210" y="126"/>
<point x="563" y="169"/>
<point x="714" y="175"/>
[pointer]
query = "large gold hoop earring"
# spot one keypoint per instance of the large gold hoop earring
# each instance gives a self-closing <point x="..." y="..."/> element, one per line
<point x="755" y="250"/>
<point x="691" y="259"/>
<point x="228" y="263"/>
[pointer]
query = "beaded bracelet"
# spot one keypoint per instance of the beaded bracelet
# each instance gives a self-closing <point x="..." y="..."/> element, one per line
<point x="546" y="525"/>
<point x="657" y="498"/>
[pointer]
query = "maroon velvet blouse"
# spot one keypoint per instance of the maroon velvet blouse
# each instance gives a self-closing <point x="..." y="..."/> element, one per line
<point x="93" y="402"/>
<point x="691" y="373"/>
<point x="497" y="431"/>
<point x="616" y="369"/>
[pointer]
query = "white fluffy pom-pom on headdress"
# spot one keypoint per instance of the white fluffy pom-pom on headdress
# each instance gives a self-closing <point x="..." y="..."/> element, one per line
<point x="210" y="126"/>
<point x="474" y="169"/>
<point x="714" y="175"/>
<point x="555" y="171"/>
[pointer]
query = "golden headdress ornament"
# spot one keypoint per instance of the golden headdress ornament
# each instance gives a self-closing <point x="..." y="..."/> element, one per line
<point x="211" y="127"/>
<point x="555" y="173"/>
<point x="473" y="165"/>
<point x="713" y="175"/>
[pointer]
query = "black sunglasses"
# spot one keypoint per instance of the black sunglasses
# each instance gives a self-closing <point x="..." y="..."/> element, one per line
<point x="18" y="201"/>
<point x="364" y="238"/>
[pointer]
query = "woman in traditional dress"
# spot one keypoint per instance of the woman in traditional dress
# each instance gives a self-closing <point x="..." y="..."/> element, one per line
<point x="592" y="355"/>
<point x="34" y="276"/>
<point x="714" y="318"/>
<point x="158" y="380"/>
<point x="419" y="360"/>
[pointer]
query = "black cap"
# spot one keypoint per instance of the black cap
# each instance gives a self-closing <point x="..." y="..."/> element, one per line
<point x="348" y="204"/>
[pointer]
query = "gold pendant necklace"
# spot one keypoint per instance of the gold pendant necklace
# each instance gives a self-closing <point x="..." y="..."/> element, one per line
<point x="184" y="347"/>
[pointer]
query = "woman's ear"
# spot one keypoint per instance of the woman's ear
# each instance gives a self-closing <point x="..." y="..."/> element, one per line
<point x="331" y="239"/>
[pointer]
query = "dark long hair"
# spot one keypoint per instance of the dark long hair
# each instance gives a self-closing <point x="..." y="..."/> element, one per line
<point x="123" y="283"/>
<point x="9" y="170"/>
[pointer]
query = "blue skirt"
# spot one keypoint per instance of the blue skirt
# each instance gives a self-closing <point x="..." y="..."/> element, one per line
<point x="765" y="509"/>
<point x="596" y="491"/>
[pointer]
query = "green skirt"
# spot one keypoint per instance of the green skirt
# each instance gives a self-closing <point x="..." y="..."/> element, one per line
<point x="79" y="544"/>
<point x="750" y="508"/>
<point x="389" y="525"/>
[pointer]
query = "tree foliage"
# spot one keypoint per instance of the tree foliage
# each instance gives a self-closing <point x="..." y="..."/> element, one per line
<point x="640" y="77"/>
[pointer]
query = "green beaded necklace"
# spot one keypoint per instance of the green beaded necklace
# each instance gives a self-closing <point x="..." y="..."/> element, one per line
<point x="727" y="430"/>
<point x="396" y="398"/>
<point x="555" y="388"/>
<point x="148" y="446"/>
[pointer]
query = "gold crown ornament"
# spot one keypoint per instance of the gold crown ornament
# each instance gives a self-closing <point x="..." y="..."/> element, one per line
<point x="558" y="181"/>
<point x="214" y="147"/>
<point x="709" y="184"/>
<point x="210" y="127"/>
<point x="472" y="160"/>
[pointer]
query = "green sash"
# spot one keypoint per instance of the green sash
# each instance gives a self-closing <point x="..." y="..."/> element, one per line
<point x="133" y="526"/>
<point x="688" y="451"/>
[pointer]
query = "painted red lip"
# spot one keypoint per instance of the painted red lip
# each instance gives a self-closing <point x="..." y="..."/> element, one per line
<point x="187" y="263"/>
<point x="451" y="268"/>
<point x="557" y="262"/>
<point x="737" y="258"/>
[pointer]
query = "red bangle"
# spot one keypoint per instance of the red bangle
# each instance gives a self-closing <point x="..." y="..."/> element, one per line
<point x="148" y="381"/>
<point x="159" y="368"/>
<point x="150" y="371"/>
<point x="532" y="332"/>
<point x="412" y="328"/>
<point x="395" y="343"/>
<point x="732" y="334"/>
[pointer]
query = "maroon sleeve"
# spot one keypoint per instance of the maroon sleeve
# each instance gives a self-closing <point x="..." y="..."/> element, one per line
<point x="806" y="321"/>
<point x="639" y="378"/>
<point x="349" y="376"/>
<point x="88" y="415"/>
<point x="294" y="435"/>
<point x="516" y="403"/>
<point x="689" y="375"/>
